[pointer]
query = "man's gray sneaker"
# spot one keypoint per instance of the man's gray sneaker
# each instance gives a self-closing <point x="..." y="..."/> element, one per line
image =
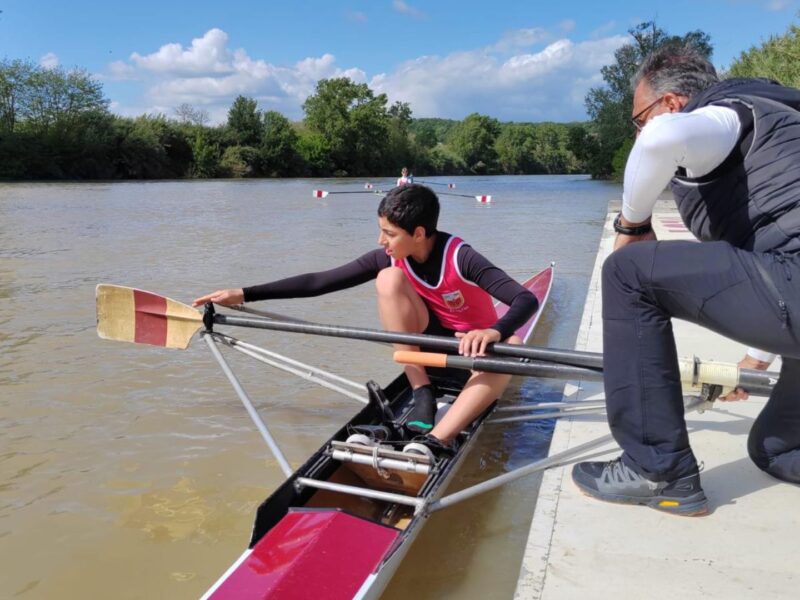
<point x="615" y="482"/>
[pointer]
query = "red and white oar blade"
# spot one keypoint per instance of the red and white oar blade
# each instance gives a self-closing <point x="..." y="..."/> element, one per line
<point x="483" y="199"/>
<point x="320" y="194"/>
<point x="129" y="315"/>
<point x="451" y="186"/>
<point x="368" y="186"/>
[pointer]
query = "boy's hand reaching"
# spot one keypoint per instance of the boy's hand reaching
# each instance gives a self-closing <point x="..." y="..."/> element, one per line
<point x="473" y="343"/>
<point x="223" y="297"/>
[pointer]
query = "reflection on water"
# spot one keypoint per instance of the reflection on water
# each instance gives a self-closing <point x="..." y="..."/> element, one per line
<point x="136" y="470"/>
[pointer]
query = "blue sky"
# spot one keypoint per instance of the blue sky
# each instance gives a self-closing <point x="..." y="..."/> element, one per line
<point x="521" y="60"/>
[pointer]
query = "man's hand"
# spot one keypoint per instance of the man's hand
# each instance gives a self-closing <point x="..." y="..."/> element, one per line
<point x="224" y="297"/>
<point x="473" y="343"/>
<point x="748" y="362"/>
<point x="624" y="240"/>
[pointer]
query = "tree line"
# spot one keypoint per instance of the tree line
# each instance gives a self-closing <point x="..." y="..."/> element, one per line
<point x="56" y="124"/>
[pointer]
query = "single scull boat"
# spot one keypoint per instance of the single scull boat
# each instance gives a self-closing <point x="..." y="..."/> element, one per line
<point x="340" y="526"/>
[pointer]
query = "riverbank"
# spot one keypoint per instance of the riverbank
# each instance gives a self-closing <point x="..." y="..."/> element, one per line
<point x="582" y="548"/>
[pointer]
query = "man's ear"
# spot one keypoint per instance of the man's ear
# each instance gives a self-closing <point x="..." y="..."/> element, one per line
<point x="419" y="233"/>
<point x="675" y="102"/>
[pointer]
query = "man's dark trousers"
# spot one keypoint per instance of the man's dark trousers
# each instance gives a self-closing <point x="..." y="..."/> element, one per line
<point x="753" y="298"/>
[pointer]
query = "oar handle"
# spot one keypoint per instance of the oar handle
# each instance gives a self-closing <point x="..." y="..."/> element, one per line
<point x="423" y="359"/>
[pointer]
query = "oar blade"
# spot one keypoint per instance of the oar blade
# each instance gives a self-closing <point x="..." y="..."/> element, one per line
<point x="320" y="194"/>
<point x="483" y="199"/>
<point x="130" y="315"/>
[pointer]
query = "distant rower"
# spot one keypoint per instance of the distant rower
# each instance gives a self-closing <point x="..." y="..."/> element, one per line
<point x="405" y="178"/>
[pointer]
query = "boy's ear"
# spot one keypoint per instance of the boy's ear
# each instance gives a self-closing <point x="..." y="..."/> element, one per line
<point x="419" y="233"/>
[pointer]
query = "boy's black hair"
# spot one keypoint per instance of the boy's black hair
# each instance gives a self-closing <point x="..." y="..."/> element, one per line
<point x="411" y="206"/>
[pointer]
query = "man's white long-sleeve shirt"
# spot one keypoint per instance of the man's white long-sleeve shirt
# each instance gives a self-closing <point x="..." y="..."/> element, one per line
<point x="698" y="141"/>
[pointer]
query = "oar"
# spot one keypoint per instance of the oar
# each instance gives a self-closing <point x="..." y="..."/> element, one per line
<point x="692" y="370"/>
<point x="483" y="198"/>
<point x="325" y="193"/>
<point x="118" y="316"/>
<point x="450" y="186"/>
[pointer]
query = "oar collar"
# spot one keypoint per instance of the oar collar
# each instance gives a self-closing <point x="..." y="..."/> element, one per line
<point x="208" y="316"/>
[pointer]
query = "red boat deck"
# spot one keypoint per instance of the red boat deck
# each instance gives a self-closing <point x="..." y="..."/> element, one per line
<point x="310" y="554"/>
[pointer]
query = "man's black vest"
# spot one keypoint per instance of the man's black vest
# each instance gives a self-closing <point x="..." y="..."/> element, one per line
<point x="751" y="200"/>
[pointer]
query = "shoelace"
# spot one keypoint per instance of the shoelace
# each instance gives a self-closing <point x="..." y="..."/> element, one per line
<point x="615" y="471"/>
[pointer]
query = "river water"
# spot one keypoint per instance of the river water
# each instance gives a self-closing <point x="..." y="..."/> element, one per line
<point x="134" y="472"/>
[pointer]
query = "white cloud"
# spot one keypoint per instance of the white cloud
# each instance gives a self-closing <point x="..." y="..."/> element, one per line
<point x="528" y="74"/>
<point x="49" y="61"/>
<point x="547" y="85"/>
<point x="121" y="70"/>
<point x="522" y="38"/>
<point x="406" y="9"/>
<point x="209" y="75"/>
<point x="208" y="54"/>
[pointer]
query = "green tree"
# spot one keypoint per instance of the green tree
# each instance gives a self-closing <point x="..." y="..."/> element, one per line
<point x="473" y="140"/>
<point x="244" y="120"/>
<point x="400" y="148"/>
<point x="515" y="147"/>
<point x="239" y="161"/>
<point x="278" y="149"/>
<point x="57" y="98"/>
<point x="315" y="153"/>
<point x="14" y="90"/>
<point x="609" y="106"/>
<point x="778" y="58"/>
<point x="206" y="156"/>
<point x="353" y="122"/>
<point x="426" y="136"/>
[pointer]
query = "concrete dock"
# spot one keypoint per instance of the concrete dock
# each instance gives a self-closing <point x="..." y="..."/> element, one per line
<point x="581" y="548"/>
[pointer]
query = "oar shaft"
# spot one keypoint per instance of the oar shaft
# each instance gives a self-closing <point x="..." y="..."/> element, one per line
<point x="591" y="360"/>
<point x="376" y="191"/>
<point x="510" y="366"/>
<point x="454" y="194"/>
<point x="755" y="382"/>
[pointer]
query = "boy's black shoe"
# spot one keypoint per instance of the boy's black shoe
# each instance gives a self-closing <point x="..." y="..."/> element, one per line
<point x="615" y="482"/>
<point x="436" y="447"/>
<point x="369" y="435"/>
<point x="421" y="417"/>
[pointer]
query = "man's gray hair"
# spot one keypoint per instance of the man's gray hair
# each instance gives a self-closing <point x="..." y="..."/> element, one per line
<point x="677" y="68"/>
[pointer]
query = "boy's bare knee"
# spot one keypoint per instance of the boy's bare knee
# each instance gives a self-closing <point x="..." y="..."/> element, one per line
<point x="390" y="281"/>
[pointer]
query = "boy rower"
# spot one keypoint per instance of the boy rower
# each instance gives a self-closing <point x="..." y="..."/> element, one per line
<point x="428" y="281"/>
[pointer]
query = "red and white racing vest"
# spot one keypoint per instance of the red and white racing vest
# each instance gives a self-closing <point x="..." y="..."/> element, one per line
<point x="459" y="304"/>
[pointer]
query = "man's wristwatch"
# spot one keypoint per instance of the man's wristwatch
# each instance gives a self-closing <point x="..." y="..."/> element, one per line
<point x="638" y="230"/>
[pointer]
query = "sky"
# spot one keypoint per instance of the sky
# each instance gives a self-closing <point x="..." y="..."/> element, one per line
<point x="522" y="60"/>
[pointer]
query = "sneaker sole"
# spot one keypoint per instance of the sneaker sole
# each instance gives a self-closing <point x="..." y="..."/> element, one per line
<point x="692" y="506"/>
